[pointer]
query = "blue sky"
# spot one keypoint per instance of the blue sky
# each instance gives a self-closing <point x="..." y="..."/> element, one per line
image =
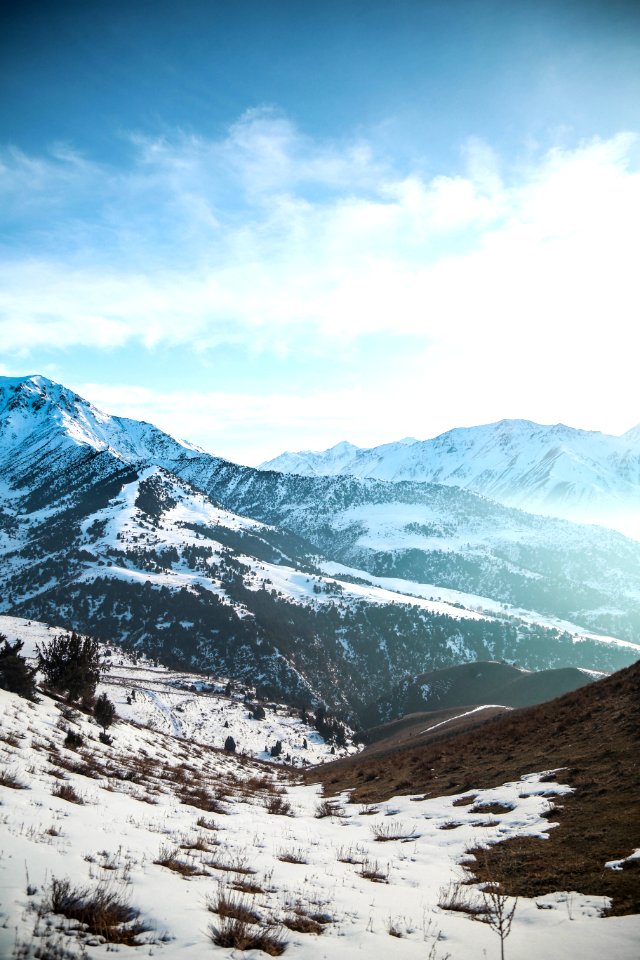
<point x="280" y="225"/>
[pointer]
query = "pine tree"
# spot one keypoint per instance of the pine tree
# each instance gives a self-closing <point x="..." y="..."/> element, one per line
<point x="230" y="745"/>
<point x="72" y="665"/>
<point x="15" y="673"/>
<point x="104" y="711"/>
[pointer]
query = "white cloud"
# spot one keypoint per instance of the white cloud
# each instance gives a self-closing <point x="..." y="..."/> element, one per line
<point x="515" y="277"/>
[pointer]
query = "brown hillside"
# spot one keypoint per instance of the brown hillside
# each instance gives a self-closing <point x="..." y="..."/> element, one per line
<point x="592" y="733"/>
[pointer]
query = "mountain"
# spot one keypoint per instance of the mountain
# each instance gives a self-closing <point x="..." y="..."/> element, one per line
<point x="314" y="589"/>
<point x="579" y="475"/>
<point x="469" y="685"/>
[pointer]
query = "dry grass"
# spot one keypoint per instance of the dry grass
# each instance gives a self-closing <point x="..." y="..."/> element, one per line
<point x="104" y="911"/>
<point x="590" y="733"/>
<point x="293" y="856"/>
<point x="9" y="779"/>
<point x="382" y="832"/>
<point x="495" y="807"/>
<point x="465" y="801"/>
<point x="371" y="870"/>
<point x="66" y="792"/>
<point x="247" y="936"/>
<point x="461" y="900"/>
<point x="169" y="858"/>
<point x="227" y="904"/>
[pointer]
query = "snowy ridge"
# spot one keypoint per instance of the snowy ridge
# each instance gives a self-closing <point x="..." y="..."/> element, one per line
<point x="38" y="415"/>
<point x="581" y="475"/>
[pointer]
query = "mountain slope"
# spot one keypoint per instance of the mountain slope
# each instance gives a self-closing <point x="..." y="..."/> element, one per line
<point x="580" y="475"/>
<point x="121" y="531"/>
<point x="589" y="738"/>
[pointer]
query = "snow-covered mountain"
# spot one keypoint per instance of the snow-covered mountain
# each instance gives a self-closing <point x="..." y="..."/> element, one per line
<point x="313" y="588"/>
<point x="581" y="475"/>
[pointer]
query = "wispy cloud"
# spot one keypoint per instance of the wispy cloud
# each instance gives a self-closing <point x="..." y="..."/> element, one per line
<point x="518" y="279"/>
<point x="267" y="236"/>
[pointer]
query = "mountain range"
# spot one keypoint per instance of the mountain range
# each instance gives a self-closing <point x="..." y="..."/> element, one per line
<point x="313" y="588"/>
<point x="579" y="475"/>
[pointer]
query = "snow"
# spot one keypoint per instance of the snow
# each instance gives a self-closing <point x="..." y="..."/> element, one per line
<point x="579" y="475"/>
<point x="190" y="705"/>
<point x="468" y="713"/>
<point x="132" y="815"/>
<point x="444" y="600"/>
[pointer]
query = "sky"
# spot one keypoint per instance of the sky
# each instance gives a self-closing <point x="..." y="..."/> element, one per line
<point x="271" y="226"/>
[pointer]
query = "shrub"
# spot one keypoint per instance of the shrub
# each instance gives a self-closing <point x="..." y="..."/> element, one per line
<point x="247" y="936"/>
<point x="104" y="911"/>
<point x="16" y="675"/>
<point x="230" y="745"/>
<point x="328" y="808"/>
<point x="279" y="805"/>
<point x="73" y="739"/>
<point x="66" y="792"/>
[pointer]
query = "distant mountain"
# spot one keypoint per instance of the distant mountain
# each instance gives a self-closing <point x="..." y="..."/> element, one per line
<point x="312" y="588"/>
<point x="469" y="685"/>
<point x="580" y="475"/>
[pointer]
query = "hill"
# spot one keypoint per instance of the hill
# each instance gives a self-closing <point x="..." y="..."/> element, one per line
<point x="470" y="684"/>
<point x="589" y="738"/>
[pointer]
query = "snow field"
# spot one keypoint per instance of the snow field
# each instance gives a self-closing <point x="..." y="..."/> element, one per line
<point x="151" y="797"/>
<point x="190" y="705"/>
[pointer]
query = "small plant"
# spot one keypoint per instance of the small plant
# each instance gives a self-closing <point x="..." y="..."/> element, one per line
<point x="465" y="801"/>
<point x="9" y="779"/>
<point x="247" y="936"/>
<point x="395" y="830"/>
<point x="66" y="792"/>
<point x="279" y="805"/>
<point x="104" y="911"/>
<point x="328" y="808"/>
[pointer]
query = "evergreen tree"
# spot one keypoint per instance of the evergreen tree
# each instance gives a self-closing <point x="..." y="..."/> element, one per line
<point x="230" y="745"/>
<point x="104" y="711"/>
<point x="15" y="673"/>
<point x="72" y="665"/>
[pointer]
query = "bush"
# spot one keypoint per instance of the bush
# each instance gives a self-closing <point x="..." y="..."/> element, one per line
<point x="230" y="745"/>
<point x="73" y="740"/>
<point x="16" y="675"/>
<point x="72" y="665"/>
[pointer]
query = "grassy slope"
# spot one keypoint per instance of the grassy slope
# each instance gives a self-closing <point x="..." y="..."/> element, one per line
<point x="593" y="733"/>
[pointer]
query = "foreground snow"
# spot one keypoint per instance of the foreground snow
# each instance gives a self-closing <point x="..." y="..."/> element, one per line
<point x="150" y="797"/>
